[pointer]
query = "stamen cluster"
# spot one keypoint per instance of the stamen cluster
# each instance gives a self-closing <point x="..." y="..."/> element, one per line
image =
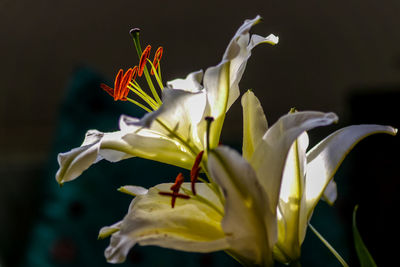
<point x="127" y="82"/>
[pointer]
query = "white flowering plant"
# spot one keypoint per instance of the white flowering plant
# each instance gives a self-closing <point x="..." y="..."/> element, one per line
<point x="257" y="205"/>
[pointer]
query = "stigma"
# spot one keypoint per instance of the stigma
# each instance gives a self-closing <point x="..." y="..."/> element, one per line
<point x="175" y="190"/>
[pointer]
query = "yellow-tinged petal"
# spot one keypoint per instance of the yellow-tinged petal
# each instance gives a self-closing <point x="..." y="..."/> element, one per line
<point x="254" y="124"/>
<point x="190" y="226"/>
<point x="178" y="117"/>
<point x="248" y="223"/>
<point x="222" y="81"/>
<point x="270" y="155"/>
<point x="291" y="202"/>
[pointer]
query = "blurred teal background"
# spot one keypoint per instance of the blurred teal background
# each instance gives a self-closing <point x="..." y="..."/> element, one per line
<point x="335" y="56"/>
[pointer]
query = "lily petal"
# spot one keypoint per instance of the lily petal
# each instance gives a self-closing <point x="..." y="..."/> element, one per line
<point x="330" y="192"/>
<point x="269" y="157"/>
<point x="254" y="123"/>
<point x="189" y="226"/>
<point x="133" y="190"/>
<point x="192" y="82"/>
<point x="180" y="113"/>
<point x="132" y="140"/>
<point x="77" y="160"/>
<point x="325" y="158"/>
<point x="222" y="81"/>
<point x="291" y="202"/>
<point x="247" y="223"/>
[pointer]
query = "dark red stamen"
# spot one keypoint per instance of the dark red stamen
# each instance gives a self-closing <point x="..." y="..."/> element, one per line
<point x="143" y="60"/>
<point x="175" y="190"/>
<point x="157" y="58"/>
<point x="194" y="172"/>
<point x="108" y="89"/>
<point x="178" y="182"/>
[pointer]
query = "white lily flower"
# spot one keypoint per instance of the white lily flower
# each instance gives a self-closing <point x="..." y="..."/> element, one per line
<point x="241" y="222"/>
<point x="295" y="180"/>
<point x="175" y="131"/>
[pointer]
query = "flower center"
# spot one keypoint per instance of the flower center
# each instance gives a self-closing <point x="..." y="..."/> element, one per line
<point x="127" y="82"/>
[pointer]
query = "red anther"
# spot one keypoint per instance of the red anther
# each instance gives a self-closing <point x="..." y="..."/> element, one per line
<point x="135" y="71"/>
<point x="157" y="59"/>
<point x="194" y="172"/>
<point x="175" y="190"/>
<point x="117" y="84"/>
<point x="143" y="60"/>
<point x="133" y="75"/>
<point x="120" y="90"/>
<point x="108" y="89"/>
<point x="123" y="88"/>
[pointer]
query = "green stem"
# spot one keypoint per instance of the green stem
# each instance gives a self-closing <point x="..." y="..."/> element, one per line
<point x="326" y="243"/>
<point x="146" y="72"/>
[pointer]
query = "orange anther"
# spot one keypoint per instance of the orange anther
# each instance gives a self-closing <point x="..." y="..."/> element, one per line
<point x="143" y="60"/>
<point x="157" y="58"/>
<point x="125" y="91"/>
<point x="120" y="90"/>
<point x="123" y="88"/>
<point x="175" y="190"/>
<point x="194" y="172"/>
<point x="117" y="84"/>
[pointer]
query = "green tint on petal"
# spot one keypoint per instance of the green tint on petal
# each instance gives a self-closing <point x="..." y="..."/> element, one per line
<point x="133" y="190"/>
<point x="291" y="201"/>
<point x="154" y="146"/>
<point x="254" y="124"/>
<point x="216" y="82"/>
<point x="248" y="223"/>
<point x="189" y="226"/>
<point x="269" y="157"/>
<point x="325" y="158"/>
<point x="222" y="81"/>
<point x="178" y="117"/>
<point x="363" y="254"/>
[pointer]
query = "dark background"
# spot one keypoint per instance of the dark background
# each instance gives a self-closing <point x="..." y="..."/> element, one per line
<point x="338" y="56"/>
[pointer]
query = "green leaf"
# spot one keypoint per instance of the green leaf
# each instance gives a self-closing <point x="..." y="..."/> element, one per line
<point x="363" y="254"/>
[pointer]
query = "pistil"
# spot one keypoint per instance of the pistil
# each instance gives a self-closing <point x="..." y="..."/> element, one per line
<point x="194" y="172"/>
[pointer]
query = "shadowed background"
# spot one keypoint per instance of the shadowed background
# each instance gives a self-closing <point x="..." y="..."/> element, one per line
<point x="332" y="56"/>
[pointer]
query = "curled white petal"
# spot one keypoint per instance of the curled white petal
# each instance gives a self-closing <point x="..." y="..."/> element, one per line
<point x="325" y="158"/>
<point x="191" y="83"/>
